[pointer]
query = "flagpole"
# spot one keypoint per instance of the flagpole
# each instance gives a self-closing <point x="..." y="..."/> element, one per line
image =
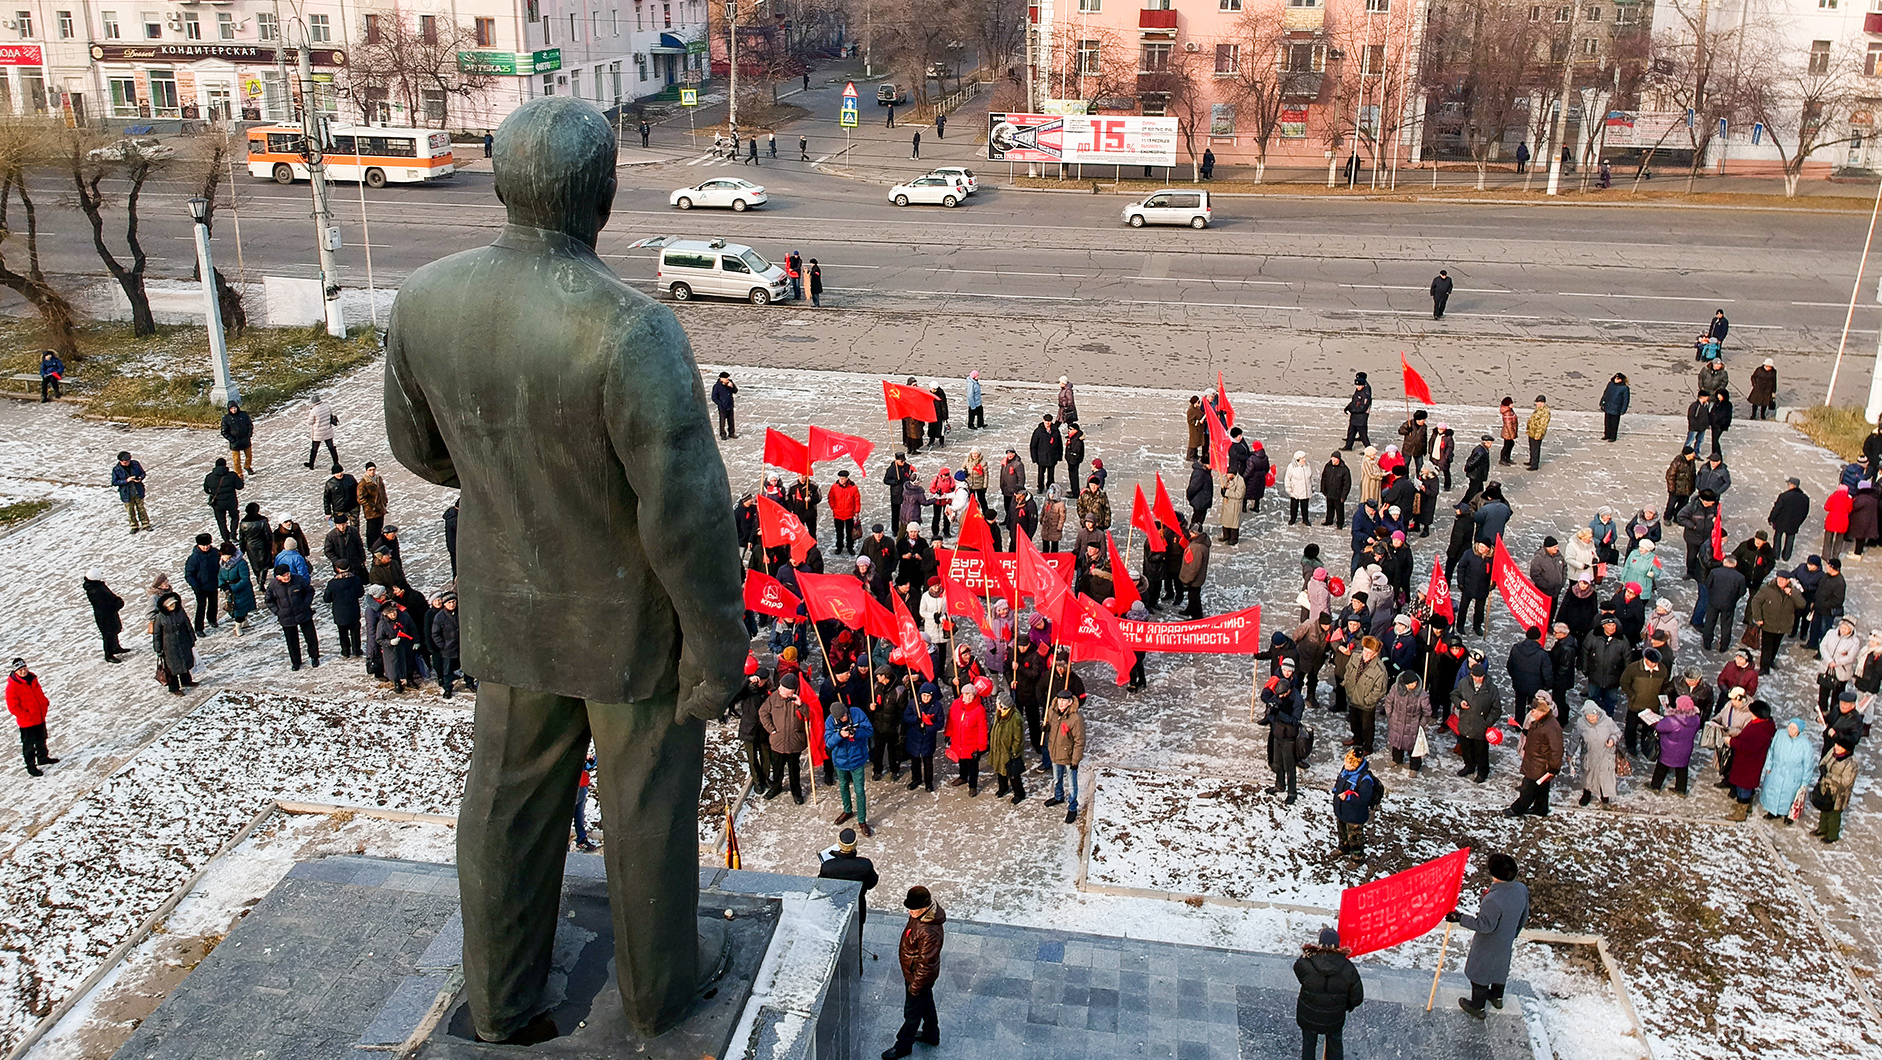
<point x="1254" y="691"/>
<point x="1440" y="969"/>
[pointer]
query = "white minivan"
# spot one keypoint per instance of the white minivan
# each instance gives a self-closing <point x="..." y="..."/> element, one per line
<point x="1171" y="206"/>
<point x="689" y="267"/>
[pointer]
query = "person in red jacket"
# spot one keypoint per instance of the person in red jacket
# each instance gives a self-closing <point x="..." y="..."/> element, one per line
<point x="1836" y="522"/>
<point x="27" y="701"/>
<point x="846" y="500"/>
<point x="967" y="735"/>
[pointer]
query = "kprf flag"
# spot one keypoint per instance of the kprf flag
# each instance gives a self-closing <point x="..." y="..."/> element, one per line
<point x="784" y="451"/>
<point x="768" y="596"/>
<point x="878" y="621"/>
<point x="1438" y="593"/>
<point x="1402" y="906"/>
<point x="1140" y="518"/>
<point x="831" y="445"/>
<point x="975" y="533"/>
<point x="779" y="527"/>
<point x="1166" y="512"/>
<point x="1222" y="401"/>
<point x="1036" y="579"/>
<point x="834" y="596"/>
<point x="1527" y="604"/>
<point x="1415" y="386"/>
<point x="903" y="401"/>
<point x="961" y="603"/>
<point x="813" y="720"/>
<point x="908" y="638"/>
<point x="1218" y="442"/>
<point x="1093" y="634"/>
<point x="1718" y="534"/>
<point x="1123" y="589"/>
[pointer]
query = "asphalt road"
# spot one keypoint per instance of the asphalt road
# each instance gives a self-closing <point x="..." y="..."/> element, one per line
<point x="1059" y="274"/>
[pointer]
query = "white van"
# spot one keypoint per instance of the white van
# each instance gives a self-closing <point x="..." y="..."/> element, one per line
<point x="689" y="267"/>
<point x="1172" y="206"/>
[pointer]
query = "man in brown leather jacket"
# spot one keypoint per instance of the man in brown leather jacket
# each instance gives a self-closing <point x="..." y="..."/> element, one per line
<point x="921" y="966"/>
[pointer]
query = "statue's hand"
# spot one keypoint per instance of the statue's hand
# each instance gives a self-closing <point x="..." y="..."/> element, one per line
<point x="704" y="693"/>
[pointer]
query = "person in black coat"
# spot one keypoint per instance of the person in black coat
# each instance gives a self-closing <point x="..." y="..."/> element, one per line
<point x="202" y="570"/>
<point x="1473" y="584"/>
<point x="221" y="486"/>
<point x="238" y="429"/>
<point x="444" y="644"/>
<point x="1329" y="989"/>
<point x="1255" y="473"/>
<point x="1336" y="484"/>
<point x="343" y="594"/>
<point x="1614" y="402"/>
<point x="843" y="863"/>
<point x="1358" y="409"/>
<point x="292" y="601"/>
<point x="106" y="608"/>
<point x="1719" y="416"/>
<point x="1201" y="492"/>
<point x="1441" y="287"/>
<point x="1047" y="449"/>
<point x="341" y="494"/>
<point x="254" y="535"/>
<point x="343" y="547"/>
<point x="1530" y="668"/>
<point x="450" y="535"/>
<point x="1074" y="452"/>
<point x="1787" y="516"/>
<point x="1564" y="653"/>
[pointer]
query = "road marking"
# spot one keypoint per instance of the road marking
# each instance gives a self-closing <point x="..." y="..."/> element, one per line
<point x="1860" y="304"/>
<point x="1002" y="272"/>
<point x="1649" y="297"/>
<point x="1198" y="279"/>
<point x="1392" y="287"/>
<point x="1208" y="305"/>
<point x="1420" y="312"/>
<point x="1682" y="323"/>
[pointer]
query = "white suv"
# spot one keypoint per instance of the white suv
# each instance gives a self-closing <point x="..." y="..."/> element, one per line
<point x="958" y="174"/>
<point x="1172" y="206"/>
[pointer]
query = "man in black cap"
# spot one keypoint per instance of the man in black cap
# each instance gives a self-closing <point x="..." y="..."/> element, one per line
<point x="1441" y="287"/>
<point x="842" y="862"/>
<point x="1358" y="407"/>
<point x="1788" y="513"/>
<point x="1477" y="468"/>
<point x="920" y="953"/>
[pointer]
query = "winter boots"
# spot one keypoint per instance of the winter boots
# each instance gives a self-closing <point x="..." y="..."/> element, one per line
<point x="1740" y="810"/>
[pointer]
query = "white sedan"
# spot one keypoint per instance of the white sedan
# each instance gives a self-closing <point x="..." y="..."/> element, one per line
<point x="724" y="191"/>
<point x="957" y="173"/>
<point x="929" y="189"/>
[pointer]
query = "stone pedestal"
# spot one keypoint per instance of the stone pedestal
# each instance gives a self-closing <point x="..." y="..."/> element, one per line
<point x="354" y="957"/>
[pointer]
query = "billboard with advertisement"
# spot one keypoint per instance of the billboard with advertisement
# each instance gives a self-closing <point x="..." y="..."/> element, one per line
<point x="1081" y="138"/>
<point x="1293" y="123"/>
<point x="21" y="55"/>
<point x="1647" y="128"/>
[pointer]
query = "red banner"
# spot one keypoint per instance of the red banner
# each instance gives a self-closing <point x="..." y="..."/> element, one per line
<point x="907" y="402"/>
<point x="1527" y="604"/>
<point x="1718" y="534"/>
<point x="784" y="451"/>
<point x="813" y="724"/>
<point x="908" y="638"/>
<point x="1402" y="906"/>
<point x="1222" y="401"/>
<point x="779" y="526"/>
<point x="1218" y="442"/>
<point x="1438" y="593"/>
<point x="1123" y="589"/>
<point x="1140" y="518"/>
<point x="1236" y="633"/>
<point x="975" y="533"/>
<point x="1415" y="386"/>
<point x="768" y="596"/>
<point x="1166" y="513"/>
<point x="834" y="596"/>
<point x="1093" y="634"/>
<point x="998" y="578"/>
<point x="961" y="603"/>
<point x="878" y="621"/>
<point x="830" y="445"/>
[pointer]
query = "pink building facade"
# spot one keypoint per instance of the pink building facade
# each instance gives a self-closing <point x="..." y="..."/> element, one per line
<point x="1257" y="82"/>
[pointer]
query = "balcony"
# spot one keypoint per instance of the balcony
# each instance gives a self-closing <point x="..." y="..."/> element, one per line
<point x="1157" y="20"/>
<point x="1303" y="18"/>
<point x="1872" y="22"/>
<point x="1302" y="86"/>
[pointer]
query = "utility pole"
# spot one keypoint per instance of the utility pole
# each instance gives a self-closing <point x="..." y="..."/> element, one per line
<point x="326" y="233"/>
<point x="1561" y="113"/>
<point x="280" y="66"/>
<point x="731" y="31"/>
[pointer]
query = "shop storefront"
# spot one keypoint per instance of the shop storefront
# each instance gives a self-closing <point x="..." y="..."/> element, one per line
<point x="215" y="82"/>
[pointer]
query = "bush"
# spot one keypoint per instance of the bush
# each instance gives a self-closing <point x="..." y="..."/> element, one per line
<point x="1838" y="428"/>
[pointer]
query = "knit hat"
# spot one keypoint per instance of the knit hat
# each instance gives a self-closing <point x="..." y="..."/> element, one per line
<point x="18" y="664"/>
<point x="918" y="898"/>
<point x="377" y="592"/>
<point x="846" y="840"/>
<point x="1329" y="938"/>
<point x="788" y="682"/>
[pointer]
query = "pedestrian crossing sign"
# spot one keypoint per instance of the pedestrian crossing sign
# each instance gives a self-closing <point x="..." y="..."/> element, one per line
<point x="847" y="116"/>
<point x="689" y="97"/>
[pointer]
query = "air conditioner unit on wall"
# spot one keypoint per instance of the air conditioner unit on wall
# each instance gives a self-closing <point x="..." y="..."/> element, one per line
<point x="1191" y="46"/>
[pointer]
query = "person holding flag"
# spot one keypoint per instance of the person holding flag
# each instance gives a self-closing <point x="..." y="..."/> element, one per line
<point x="921" y="722"/>
<point x="1500" y="918"/>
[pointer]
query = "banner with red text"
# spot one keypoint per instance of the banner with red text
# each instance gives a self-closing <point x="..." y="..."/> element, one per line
<point x="1402" y="906"/>
<point x="1236" y="633"/>
<point x="981" y="578"/>
<point x="1527" y="604"/>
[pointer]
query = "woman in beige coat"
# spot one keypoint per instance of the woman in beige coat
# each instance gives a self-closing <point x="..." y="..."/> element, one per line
<point x="1370" y="476"/>
<point x="1234" y="489"/>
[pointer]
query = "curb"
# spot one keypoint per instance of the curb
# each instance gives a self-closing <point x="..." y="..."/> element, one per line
<point x="1443" y="200"/>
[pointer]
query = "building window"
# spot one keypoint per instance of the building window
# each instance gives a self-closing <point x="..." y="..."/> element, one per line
<point x="1535" y="13"/>
<point x="110" y="20"/>
<point x="1564" y="14"/>
<point x="1872" y="62"/>
<point x="1826" y="5"/>
<point x="666" y="12"/>
<point x="1154" y="106"/>
<point x="1303" y="3"/>
<point x="614" y="75"/>
<point x="1819" y="57"/>
<point x="548" y="83"/>
<point x="1090" y="5"/>
<point x="153" y="25"/>
<point x="26" y="23"/>
<point x="1378" y="5"/>
<point x="68" y="28"/>
<point x="594" y="25"/>
<point x="265" y="26"/>
<point x="640" y="66"/>
<point x="1591" y="47"/>
<point x="372" y="29"/>
<point x="637" y="20"/>
<point x="428" y="28"/>
<point x="1626" y="16"/>
<point x="163" y="95"/>
<point x="1228" y="58"/>
<point x="1305" y="58"/>
<point x="1372" y="60"/>
<point x="225" y="25"/>
<point x="1156" y="59"/>
<point x="124" y="97"/>
<point x="432" y="99"/>
<point x="1593" y="14"/>
<point x="319" y="29"/>
<point x="614" y="19"/>
<point x="1231" y="5"/>
<point x="192" y="26"/>
<point x="485" y="30"/>
<point x="575" y="31"/>
<point x="575" y="83"/>
<point x="1088" y="58"/>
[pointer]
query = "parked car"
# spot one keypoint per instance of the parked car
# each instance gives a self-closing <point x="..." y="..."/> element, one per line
<point x="739" y="194"/>
<point x="1172" y="206"/>
<point x="689" y="267"/>
<point x="960" y="174"/>
<point x="888" y="95"/>
<point x="929" y="189"/>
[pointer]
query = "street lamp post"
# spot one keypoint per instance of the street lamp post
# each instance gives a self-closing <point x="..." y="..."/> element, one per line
<point x="731" y="30"/>
<point x="223" y="392"/>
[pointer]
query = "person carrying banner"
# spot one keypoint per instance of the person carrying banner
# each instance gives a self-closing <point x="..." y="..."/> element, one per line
<point x="1500" y="917"/>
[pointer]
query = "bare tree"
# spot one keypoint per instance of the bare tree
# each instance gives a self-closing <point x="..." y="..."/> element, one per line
<point x="1377" y="76"/>
<point x="412" y="61"/>
<point x="131" y="164"/>
<point x="1807" y="103"/>
<point x="1189" y="96"/>
<point x="1261" y="80"/>
<point x="1090" y="63"/>
<point x="997" y="29"/>
<point x="26" y="144"/>
<point x="1709" y="68"/>
<point x="1483" y="63"/>
<point x="911" y="37"/>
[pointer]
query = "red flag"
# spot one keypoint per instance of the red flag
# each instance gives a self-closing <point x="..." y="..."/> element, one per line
<point x="1140" y="518"/>
<point x="1414" y="383"/>
<point x="975" y="533"/>
<point x="1718" y="534"/>
<point x="961" y="602"/>
<point x="784" y="451"/>
<point x="1093" y="634"/>
<point x="908" y="638"/>
<point x="813" y="720"/>
<point x="830" y="445"/>
<point x="1123" y="590"/>
<point x="877" y="620"/>
<point x="1034" y="578"/>
<point x="1527" y="604"/>
<point x="1438" y="593"/>
<point x="780" y="527"/>
<point x="1402" y="906"/>
<point x="768" y="596"/>
<point x="1222" y="401"/>
<point x="908" y="402"/>
<point x="1166" y="513"/>
<point x="1218" y="443"/>
<point x="838" y="596"/>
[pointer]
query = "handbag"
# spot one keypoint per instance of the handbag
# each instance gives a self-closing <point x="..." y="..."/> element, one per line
<point x="1622" y="766"/>
<point x="1303" y="744"/>
<point x="1797" y="805"/>
<point x="1822" y="797"/>
<point x="163" y="674"/>
<point x="1712" y="736"/>
<point x="1752" y="637"/>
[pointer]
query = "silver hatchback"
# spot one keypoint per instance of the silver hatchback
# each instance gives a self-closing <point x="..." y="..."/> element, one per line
<point x="1172" y="206"/>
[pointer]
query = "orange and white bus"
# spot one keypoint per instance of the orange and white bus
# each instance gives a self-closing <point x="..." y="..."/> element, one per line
<point x="375" y="155"/>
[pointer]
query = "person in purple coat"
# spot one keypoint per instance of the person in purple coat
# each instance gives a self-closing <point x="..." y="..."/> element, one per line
<point x="1678" y="731"/>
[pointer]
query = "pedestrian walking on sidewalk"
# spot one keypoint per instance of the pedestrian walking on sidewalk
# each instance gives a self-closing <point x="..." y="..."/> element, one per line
<point x="914" y="150"/>
<point x="1329" y="989"/>
<point x="1440" y="294"/>
<point x="803" y="149"/>
<point x="646" y="131"/>
<point x="920" y="954"/>
<point x="128" y="476"/>
<point x="751" y="157"/>
<point x="940" y="126"/>
<point x="771" y="142"/>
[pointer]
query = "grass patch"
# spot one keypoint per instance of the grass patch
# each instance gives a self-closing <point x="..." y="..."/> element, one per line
<point x="14" y="513"/>
<point x="165" y="378"/>
<point x="1411" y="190"/>
<point x="1838" y="428"/>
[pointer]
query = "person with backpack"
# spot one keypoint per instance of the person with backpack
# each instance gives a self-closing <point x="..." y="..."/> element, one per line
<point x="1329" y="989"/>
<point x="1355" y="792"/>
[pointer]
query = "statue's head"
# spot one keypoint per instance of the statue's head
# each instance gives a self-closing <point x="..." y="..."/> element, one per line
<point x="554" y="164"/>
